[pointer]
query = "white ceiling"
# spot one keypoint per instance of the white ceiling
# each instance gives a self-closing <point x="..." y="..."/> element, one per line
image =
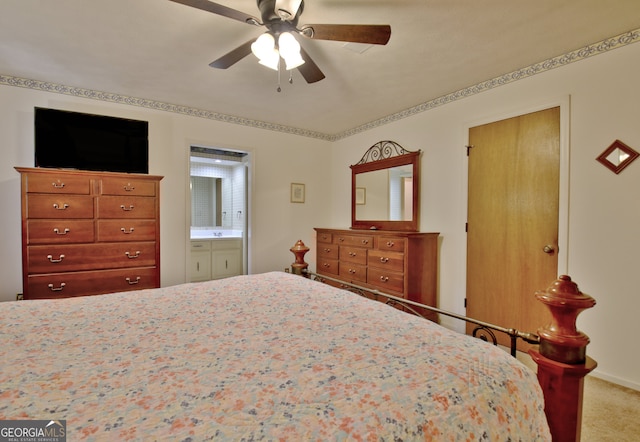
<point x="160" y="50"/>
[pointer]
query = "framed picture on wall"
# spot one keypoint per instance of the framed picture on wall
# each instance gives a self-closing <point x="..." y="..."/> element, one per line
<point x="361" y="195"/>
<point x="297" y="193"/>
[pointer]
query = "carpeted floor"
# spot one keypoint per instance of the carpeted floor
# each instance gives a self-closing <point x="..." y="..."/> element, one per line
<point x="610" y="412"/>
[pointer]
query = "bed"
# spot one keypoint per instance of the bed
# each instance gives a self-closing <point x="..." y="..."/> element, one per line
<point x="273" y="356"/>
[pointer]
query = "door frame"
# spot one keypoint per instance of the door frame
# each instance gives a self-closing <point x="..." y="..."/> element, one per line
<point x="563" y="210"/>
<point x="246" y="235"/>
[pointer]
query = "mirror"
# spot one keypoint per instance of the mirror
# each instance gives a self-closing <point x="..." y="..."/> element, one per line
<point x="617" y="156"/>
<point x="206" y="202"/>
<point x="385" y="189"/>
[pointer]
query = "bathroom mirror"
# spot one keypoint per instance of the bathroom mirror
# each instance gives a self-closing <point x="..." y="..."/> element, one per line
<point x="385" y="187"/>
<point x="206" y="202"/>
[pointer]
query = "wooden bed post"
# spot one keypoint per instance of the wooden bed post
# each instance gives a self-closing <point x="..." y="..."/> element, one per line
<point x="299" y="250"/>
<point x="562" y="360"/>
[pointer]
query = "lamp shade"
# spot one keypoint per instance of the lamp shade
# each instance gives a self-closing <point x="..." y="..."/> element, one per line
<point x="264" y="48"/>
<point x="290" y="50"/>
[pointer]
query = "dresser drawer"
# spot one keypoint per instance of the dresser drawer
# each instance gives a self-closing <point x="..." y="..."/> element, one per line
<point x="63" y="258"/>
<point x="60" y="231"/>
<point x="126" y="207"/>
<point x="352" y="272"/>
<point x="328" y="266"/>
<point x="59" y="206"/>
<point x="354" y="240"/>
<point x="386" y="280"/>
<point x="126" y="230"/>
<point x="324" y="237"/>
<point x="391" y="243"/>
<point x="328" y="251"/>
<point x="126" y="186"/>
<point x="58" y="183"/>
<point x="356" y="255"/>
<point x="62" y="285"/>
<point x="393" y="261"/>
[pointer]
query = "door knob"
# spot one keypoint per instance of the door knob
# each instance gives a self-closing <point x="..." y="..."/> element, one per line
<point x="548" y="249"/>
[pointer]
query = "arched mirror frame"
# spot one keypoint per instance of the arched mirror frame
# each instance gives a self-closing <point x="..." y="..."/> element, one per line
<point x="380" y="156"/>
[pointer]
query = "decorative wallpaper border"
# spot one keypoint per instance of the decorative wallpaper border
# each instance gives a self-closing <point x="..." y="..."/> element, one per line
<point x="537" y="68"/>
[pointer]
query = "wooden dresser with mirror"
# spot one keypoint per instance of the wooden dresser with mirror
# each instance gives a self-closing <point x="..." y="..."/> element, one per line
<point x="383" y="249"/>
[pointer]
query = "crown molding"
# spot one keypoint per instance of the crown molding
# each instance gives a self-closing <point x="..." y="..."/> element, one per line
<point x="534" y="69"/>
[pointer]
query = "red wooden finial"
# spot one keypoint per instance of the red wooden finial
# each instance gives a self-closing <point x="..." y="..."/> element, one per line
<point x="561" y="340"/>
<point x="299" y="250"/>
<point x="562" y="360"/>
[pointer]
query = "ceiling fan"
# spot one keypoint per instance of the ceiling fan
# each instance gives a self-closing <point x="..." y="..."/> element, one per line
<point x="280" y="17"/>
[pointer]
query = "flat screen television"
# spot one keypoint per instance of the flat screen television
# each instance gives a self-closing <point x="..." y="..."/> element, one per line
<point x="74" y="140"/>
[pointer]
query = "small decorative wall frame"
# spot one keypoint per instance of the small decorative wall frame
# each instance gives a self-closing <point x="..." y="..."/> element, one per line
<point x="617" y="156"/>
<point x="297" y="193"/>
<point x="361" y="195"/>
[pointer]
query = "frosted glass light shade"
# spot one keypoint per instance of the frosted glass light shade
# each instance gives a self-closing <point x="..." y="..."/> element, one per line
<point x="264" y="48"/>
<point x="290" y="50"/>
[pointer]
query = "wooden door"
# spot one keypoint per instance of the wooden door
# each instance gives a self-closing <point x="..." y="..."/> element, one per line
<point x="513" y="204"/>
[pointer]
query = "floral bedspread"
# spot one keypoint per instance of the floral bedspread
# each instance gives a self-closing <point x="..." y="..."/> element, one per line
<point x="262" y="357"/>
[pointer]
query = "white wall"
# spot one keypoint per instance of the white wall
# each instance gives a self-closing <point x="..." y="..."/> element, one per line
<point x="603" y="253"/>
<point x="277" y="160"/>
<point x="604" y="209"/>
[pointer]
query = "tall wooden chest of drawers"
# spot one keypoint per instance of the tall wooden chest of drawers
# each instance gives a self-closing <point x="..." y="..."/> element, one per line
<point x="88" y="233"/>
<point x="404" y="264"/>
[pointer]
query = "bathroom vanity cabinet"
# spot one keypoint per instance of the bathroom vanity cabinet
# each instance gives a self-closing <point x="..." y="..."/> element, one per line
<point x="215" y="258"/>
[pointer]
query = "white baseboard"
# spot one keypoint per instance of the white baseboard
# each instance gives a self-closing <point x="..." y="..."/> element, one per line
<point x="615" y="380"/>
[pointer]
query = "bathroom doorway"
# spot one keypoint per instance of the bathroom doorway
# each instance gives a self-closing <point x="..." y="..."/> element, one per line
<point x="218" y="181"/>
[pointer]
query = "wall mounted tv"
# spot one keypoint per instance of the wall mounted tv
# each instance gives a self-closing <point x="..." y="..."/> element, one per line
<point x="73" y="140"/>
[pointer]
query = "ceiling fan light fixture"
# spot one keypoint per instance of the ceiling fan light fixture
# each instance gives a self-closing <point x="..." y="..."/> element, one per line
<point x="263" y="45"/>
<point x="290" y="50"/>
<point x="264" y="48"/>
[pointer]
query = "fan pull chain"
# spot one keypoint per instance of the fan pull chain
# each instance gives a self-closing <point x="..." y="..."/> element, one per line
<point x="279" y="88"/>
<point x="291" y="76"/>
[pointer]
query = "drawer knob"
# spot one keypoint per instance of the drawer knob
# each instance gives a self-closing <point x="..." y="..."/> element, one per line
<point x="384" y="260"/>
<point x="130" y="282"/>
<point x="130" y="256"/>
<point x="125" y="231"/>
<point x="126" y="209"/>
<point x="58" y="207"/>
<point x="56" y="289"/>
<point x="365" y="241"/>
<point x="384" y="278"/>
<point x="327" y="250"/>
<point x="326" y="265"/>
<point x="352" y="271"/>
<point x="50" y="258"/>
<point x="129" y="188"/>
<point x="57" y="231"/>
<point x="58" y="185"/>
<point x="390" y="243"/>
<point x="352" y="254"/>
<point x="341" y="239"/>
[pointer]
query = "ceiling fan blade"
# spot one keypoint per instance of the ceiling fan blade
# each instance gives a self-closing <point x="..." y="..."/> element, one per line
<point x="309" y="70"/>
<point x="215" y="8"/>
<point x="232" y="57"/>
<point x="372" y="34"/>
